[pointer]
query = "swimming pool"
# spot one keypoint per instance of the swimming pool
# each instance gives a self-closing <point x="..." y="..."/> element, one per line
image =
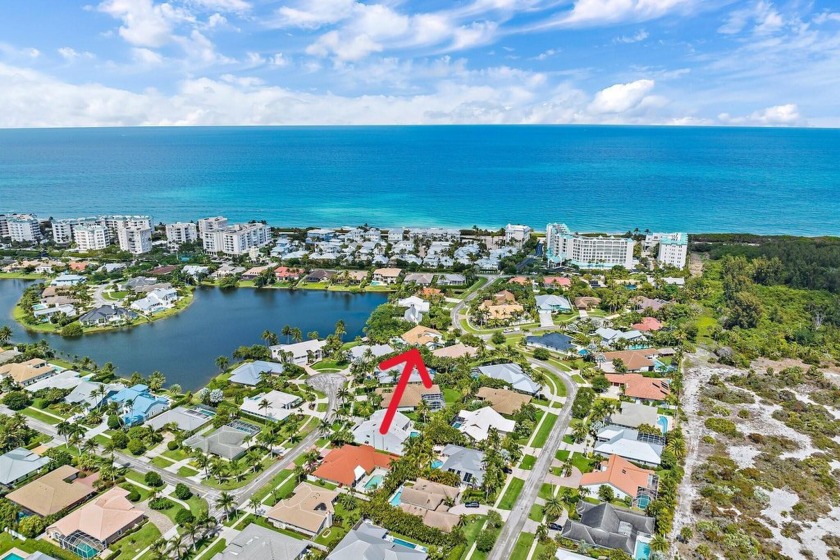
<point x="374" y="481"/>
<point x="642" y="550"/>
<point x="414" y="434"/>
<point x="13" y="556"/>
<point x="456" y="424"/>
<point x="643" y="502"/>
<point x="662" y="422"/>
<point x="404" y="543"/>
<point x="396" y="498"/>
<point x="437" y="463"/>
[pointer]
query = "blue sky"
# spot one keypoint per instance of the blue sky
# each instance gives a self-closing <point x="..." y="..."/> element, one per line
<point x="225" y="62"/>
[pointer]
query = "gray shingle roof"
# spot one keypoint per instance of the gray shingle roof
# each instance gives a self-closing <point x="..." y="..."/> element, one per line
<point x="249" y="372"/>
<point x="259" y="543"/>
<point x="19" y="463"/>
<point x="367" y="542"/>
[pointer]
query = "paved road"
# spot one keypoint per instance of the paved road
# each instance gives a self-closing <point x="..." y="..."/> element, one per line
<point x="515" y="523"/>
<point x="456" y="311"/>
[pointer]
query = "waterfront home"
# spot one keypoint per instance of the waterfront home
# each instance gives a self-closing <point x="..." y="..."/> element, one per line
<point x="510" y="373"/>
<point x="156" y="301"/>
<point x="503" y="401"/>
<point x="137" y="404"/>
<point x="185" y="419"/>
<point x="557" y="281"/>
<point x="412" y="395"/>
<point x="226" y="442"/>
<point x="611" y="336"/>
<point x="19" y="464"/>
<point x="195" y="270"/>
<point x="253" y="272"/>
<point x="556" y="342"/>
<point x="419" y="278"/>
<point x="416" y="302"/>
<point x="428" y="500"/>
<point x="386" y="275"/>
<point x="319" y="234"/>
<point x="367" y="432"/>
<point x="299" y="353"/>
<point x="28" y="372"/>
<point x="395" y="235"/>
<point x="625" y="479"/>
<point x="348" y="464"/>
<point x="631" y="360"/>
<point x="477" y="423"/>
<point x="64" y="379"/>
<point x="585" y="303"/>
<point x="369" y="542"/>
<point x="309" y="510"/>
<point x="422" y="336"/>
<point x="286" y="274"/>
<point x="633" y="415"/>
<point x="319" y="275"/>
<point x="605" y="526"/>
<point x="643" y="389"/>
<point x="251" y="373"/>
<point x="106" y="315"/>
<point x="6" y="355"/>
<point x="455" y="351"/>
<point x="413" y="315"/>
<point x="97" y="524"/>
<point x="91" y="394"/>
<point x="43" y="312"/>
<point x="553" y="304"/>
<point x="465" y="462"/>
<point x="451" y="280"/>
<point x="647" y="324"/>
<point x="66" y="280"/>
<point x="273" y="405"/>
<point x="364" y="351"/>
<point x="52" y="493"/>
<point x="644" y="449"/>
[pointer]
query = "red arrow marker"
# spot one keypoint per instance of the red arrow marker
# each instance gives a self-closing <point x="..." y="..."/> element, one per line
<point x="413" y="360"/>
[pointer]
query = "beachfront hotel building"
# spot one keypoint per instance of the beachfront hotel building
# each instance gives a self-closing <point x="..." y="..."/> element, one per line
<point x="587" y="251"/>
<point x="135" y="240"/>
<point x="23" y="228"/>
<point x="237" y="239"/>
<point x="180" y="233"/>
<point x="92" y="237"/>
<point x="673" y="247"/>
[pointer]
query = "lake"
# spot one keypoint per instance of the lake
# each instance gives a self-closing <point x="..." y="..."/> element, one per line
<point x="184" y="347"/>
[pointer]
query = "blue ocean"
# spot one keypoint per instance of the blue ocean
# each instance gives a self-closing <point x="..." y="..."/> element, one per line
<point x="593" y="178"/>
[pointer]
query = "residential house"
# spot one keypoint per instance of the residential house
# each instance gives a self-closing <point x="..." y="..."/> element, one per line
<point x="503" y="401"/>
<point x="585" y="303"/>
<point x="605" y="526"/>
<point x="157" y="300"/>
<point x="642" y="303"/>
<point x="639" y="387"/>
<point x="367" y="432"/>
<point x="557" y="281"/>
<point x="455" y="351"/>
<point x="502" y="311"/>
<point x="163" y="270"/>
<point x="226" y="442"/>
<point x="254" y="272"/>
<point x="300" y="353"/>
<point x="386" y="275"/>
<point x="91" y="394"/>
<point x="644" y="449"/>
<point x="195" y="270"/>
<point x="477" y="423"/>
<point x="465" y="462"/>
<point x="52" y="493"/>
<point x="553" y="304"/>
<point x="19" y="464"/>
<point x="503" y="296"/>
<point x="510" y="373"/>
<point x="273" y="405"/>
<point x="65" y="379"/>
<point x="391" y="375"/>
<point x="369" y="542"/>
<point x="611" y="336"/>
<point x="412" y="395"/>
<point x="97" y="524"/>
<point x="632" y="360"/>
<point x="106" y="315"/>
<point x="255" y="542"/>
<point x="519" y="280"/>
<point x="319" y="275"/>
<point x="66" y="280"/>
<point x="309" y="510"/>
<point x="416" y="302"/>
<point x="358" y="353"/>
<point x="348" y="464"/>
<point x="422" y="336"/>
<point x="43" y="312"/>
<point x="28" y="372"/>
<point x="633" y="415"/>
<point x="413" y="315"/>
<point x="647" y="324"/>
<point x="185" y="419"/>
<point x="428" y="500"/>
<point x="138" y="404"/>
<point x="554" y="341"/>
<point x="419" y="278"/>
<point x="625" y="479"/>
<point x="251" y="373"/>
<point x="451" y="280"/>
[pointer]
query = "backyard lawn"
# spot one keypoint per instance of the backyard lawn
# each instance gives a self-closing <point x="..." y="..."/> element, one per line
<point x="133" y="543"/>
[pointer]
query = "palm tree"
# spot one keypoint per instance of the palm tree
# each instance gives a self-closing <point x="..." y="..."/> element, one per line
<point x="542" y="532"/>
<point x="269" y="337"/>
<point x="254" y="503"/>
<point x="202" y="461"/>
<point x="5" y="334"/>
<point x="225" y="501"/>
<point x="297" y="335"/>
<point x="287" y="332"/>
<point x="553" y="508"/>
<point x="658" y="544"/>
<point x="159" y="549"/>
<point x="89" y="446"/>
<point x="222" y="363"/>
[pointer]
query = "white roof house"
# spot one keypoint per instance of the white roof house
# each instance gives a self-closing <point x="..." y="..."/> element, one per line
<point x="19" y="463"/>
<point x="513" y="374"/>
<point x="609" y="335"/>
<point x="299" y="351"/>
<point x="414" y="301"/>
<point x="367" y="432"/>
<point x="413" y="315"/>
<point x="477" y="423"/>
<point x="357" y="353"/>
<point x="250" y="373"/>
<point x="67" y="280"/>
<point x="628" y="443"/>
<point x="156" y="300"/>
<point x="279" y="405"/>
<point x="553" y="303"/>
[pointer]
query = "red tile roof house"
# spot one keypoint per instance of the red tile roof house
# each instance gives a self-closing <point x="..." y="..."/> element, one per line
<point x="286" y="273"/>
<point x="648" y="324"/>
<point x="641" y="388"/>
<point x="561" y="281"/>
<point x="348" y="464"/>
<point x="635" y="361"/>
<point x="625" y="478"/>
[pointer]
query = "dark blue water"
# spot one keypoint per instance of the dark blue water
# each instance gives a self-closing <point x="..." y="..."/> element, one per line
<point x="593" y="178"/>
<point x="184" y="347"/>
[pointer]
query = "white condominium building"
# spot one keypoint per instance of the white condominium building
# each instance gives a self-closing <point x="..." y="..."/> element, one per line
<point x="238" y="239"/>
<point x="180" y="233"/>
<point x="673" y="247"/>
<point x="63" y="231"/>
<point x="92" y="237"/>
<point x="23" y="228"/>
<point x="516" y="234"/>
<point x="208" y="225"/>
<point x="116" y="223"/>
<point x="584" y="251"/>
<point x="135" y="240"/>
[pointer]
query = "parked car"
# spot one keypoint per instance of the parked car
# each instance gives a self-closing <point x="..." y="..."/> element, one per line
<point x="471" y="504"/>
<point x="555" y="526"/>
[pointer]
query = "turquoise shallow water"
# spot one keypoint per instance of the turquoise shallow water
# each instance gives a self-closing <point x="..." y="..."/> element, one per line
<point x="594" y="178"/>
